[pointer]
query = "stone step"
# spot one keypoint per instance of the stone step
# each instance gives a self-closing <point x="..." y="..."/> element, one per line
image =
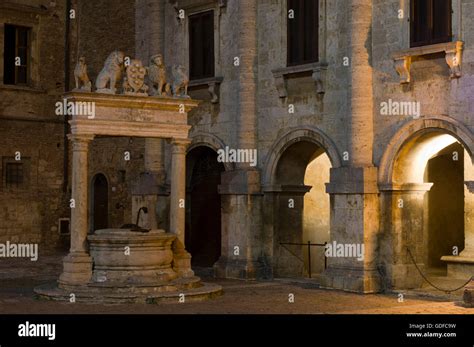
<point x="50" y="291"/>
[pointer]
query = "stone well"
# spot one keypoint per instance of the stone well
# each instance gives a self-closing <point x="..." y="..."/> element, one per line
<point x="121" y="265"/>
<point x="127" y="257"/>
<point x="130" y="266"/>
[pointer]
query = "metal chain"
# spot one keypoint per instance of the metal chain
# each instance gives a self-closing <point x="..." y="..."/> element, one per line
<point x="447" y="291"/>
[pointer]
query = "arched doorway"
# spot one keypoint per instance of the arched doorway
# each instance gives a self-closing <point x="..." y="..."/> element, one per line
<point x="100" y="203"/>
<point x="203" y="207"/>
<point x="302" y="209"/>
<point x="426" y="204"/>
<point x="445" y="205"/>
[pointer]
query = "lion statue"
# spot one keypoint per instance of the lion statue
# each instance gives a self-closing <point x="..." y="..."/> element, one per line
<point x="180" y="81"/>
<point x="157" y="76"/>
<point x="110" y="73"/>
<point x="83" y="83"/>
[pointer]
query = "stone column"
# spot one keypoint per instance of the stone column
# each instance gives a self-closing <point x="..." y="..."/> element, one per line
<point x="149" y="28"/>
<point x="462" y="265"/>
<point x="240" y="189"/>
<point x="353" y="187"/>
<point x="468" y="220"/>
<point x="468" y="251"/>
<point x="404" y="225"/>
<point x="247" y="119"/>
<point x="78" y="263"/>
<point x="182" y="259"/>
<point x="360" y="100"/>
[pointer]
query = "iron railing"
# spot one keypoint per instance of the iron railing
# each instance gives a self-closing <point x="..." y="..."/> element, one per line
<point x="309" y="244"/>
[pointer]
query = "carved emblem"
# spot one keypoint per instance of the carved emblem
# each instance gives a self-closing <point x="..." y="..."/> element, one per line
<point x="134" y="82"/>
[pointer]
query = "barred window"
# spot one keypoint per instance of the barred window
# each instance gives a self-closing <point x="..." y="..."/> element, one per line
<point x="14" y="175"/>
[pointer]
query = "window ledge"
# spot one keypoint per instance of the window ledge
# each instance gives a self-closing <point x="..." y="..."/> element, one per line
<point x="317" y="70"/>
<point x="24" y="8"/>
<point x="213" y="86"/>
<point x="453" y="51"/>
<point x="15" y="87"/>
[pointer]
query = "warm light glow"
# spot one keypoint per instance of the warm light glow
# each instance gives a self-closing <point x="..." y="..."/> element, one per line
<point x="413" y="157"/>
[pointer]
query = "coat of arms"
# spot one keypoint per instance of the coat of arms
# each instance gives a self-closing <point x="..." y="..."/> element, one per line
<point x="134" y="82"/>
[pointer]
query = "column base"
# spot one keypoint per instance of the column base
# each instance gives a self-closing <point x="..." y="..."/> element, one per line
<point x="77" y="270"/>
<point x="352" y="280"/>
<point x="241" y="269"/>
<point x="182" y="264"/>
<point x="404" y="276"/>
<point x="459" y="266"/>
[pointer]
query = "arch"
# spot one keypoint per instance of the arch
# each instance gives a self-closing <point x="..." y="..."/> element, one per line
<point x="291" y="137"/>
<point x="203" y="228"/>
<point x="409" y="130"/>
<point x="211" y="141"/>
<point x="99" y="196"/>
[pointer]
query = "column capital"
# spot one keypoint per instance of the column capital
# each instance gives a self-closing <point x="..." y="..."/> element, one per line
<point x="80" y="137"/>
<point x="178" y="142"/>
<point x="180" y="145"/>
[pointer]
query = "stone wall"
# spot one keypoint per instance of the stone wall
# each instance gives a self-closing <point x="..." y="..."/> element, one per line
<point x="107" y="156"/>
<point x="29" y="125"/>
<point x="30" y="214"/>
<point x="105" y="26"/>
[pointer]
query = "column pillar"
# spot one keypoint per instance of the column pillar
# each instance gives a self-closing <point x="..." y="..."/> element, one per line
<point x="404" y="225"/>
<point x="149" y="28"/>
<point x="468" y="251"/>
<point x="462" y="265"/>
<point x="240" y="189"/>
<point x="182" y="259"/>
<point x="78" y="263"/>
<point x="353" y="187"/>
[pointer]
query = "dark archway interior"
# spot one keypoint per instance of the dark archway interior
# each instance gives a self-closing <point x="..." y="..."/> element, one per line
<point x="100" y="202"/>
<point x="203" y="210"/>
<point x="292" y="165"/>
<point x="445" y="204"/>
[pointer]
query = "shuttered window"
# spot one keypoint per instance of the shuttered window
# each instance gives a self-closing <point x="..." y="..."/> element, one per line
<point x="303" y="31"/>
<point x="201" y="45"/>
<point x="16" y="51"/>
<point x="430" y="22"/>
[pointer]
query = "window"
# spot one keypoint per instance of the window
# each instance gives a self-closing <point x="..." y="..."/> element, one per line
<point x="14" y="175"/>
<point x="64" y="226"/>
<point x="16" y="53"/>
<point x="303" y="31"/>
<point x="201" y="45"/>
<point x="430" y="22"/>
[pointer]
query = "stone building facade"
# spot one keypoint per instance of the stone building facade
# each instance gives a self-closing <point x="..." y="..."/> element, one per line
<point x="368" y="144"/>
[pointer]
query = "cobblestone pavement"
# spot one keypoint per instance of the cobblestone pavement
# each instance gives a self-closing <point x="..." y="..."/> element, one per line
<point x="19" y="277"/>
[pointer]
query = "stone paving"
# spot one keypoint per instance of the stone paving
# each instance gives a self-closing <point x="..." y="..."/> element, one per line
<point x="19" y="277"/>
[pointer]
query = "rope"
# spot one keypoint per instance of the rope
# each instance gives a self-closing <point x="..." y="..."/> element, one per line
<point x="447" y="291"/>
